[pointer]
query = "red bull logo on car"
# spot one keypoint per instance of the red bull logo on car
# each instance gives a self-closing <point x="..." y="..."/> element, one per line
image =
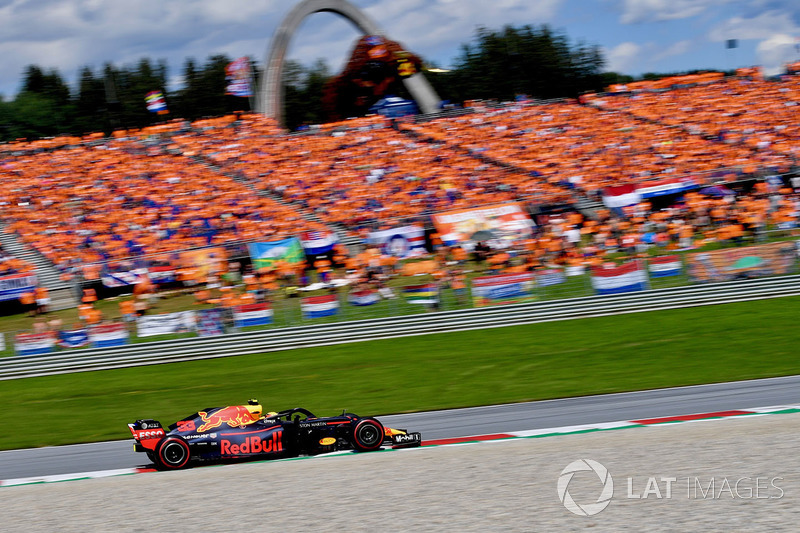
<point x="236" y="415"/>
<point x="253" y="444"/>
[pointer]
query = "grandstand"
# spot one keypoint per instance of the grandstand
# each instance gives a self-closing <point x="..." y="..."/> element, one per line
<point x="153" y="193"/>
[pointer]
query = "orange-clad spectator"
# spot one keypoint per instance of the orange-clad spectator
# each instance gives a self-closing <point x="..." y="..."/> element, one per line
<point x="89" y="296"/>
<point x="227" y="298"/>
<point x="28" y="301"/>
<point x="458" y="282"/>
<point x="84" y="309"/>
<point x="42" y="299"/>
<point x="686" y="235"/>
<point x="202" y="296"/>
<point x="143" y="287"/>
<point x="94" y="316"/>
<point x="246" y="298"/>
<point x="92" y="272"/>
<point x="127" y="309"/>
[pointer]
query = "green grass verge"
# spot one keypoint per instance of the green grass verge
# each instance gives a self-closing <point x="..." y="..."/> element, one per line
<point x="539" y="361"/>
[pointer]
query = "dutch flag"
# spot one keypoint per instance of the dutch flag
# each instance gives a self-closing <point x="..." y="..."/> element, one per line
<point x="34" y="343"/>
<point x="320" y="306"/>
<point x="318" y="242"/>
<point x="104" y="335"/>
<point x="252" y="315"/>
<point x="626" y="278"/>
<point x="365" y="297"/>
<point x="668" y="265"/>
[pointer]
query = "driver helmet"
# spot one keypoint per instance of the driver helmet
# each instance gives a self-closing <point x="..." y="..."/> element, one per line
<point x="255" y="408"/>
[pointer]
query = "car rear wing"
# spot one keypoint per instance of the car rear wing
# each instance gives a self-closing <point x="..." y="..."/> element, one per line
<point x="146" y="433"/>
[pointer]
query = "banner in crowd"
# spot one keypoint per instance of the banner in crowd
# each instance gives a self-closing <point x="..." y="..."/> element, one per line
<point x="123" y="279"/>
<point x="73" y="338"/>
<point x="575" y="270"/>
<point x="238" y="75"/>
<point x="550" y="276"/>
<point x="252" y="315"/>
<point x="624" y="195"/>
<point x="651" y="189"/>
<point x="156" y="103"/>
<point x="320" y="306"/>
<point x="422" y="294"/>
<point x="362" y="298"/>
<point x="105" y="335"/>
<point x="663" y="266"/>
<point x="13" y="286"/>
<point x="628" y="277"/>
<point x="266" y="254"/>
<point x="209" y="322"/>
<point x="503" y="289"/>
<point x="204" y="260"/>
<point x="621" y="196"/>
<point x="161" y="275"/>
<point x="406" y="241"/>
<point x="164" y="324"/>
<point x="34" y="343"/>
<point x="495" y="223"/>
<point x="739" y="263"/>
<point x="318" y="242"/>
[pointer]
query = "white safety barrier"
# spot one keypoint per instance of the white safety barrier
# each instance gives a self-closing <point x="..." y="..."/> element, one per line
<point x="402" y="326"/>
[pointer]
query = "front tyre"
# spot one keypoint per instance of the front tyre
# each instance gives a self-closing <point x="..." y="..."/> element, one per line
<point x="172" y="453"/>
<point x="368" y="435"/>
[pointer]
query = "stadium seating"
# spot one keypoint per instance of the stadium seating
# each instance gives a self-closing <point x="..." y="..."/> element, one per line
<point x="178" y="185"/>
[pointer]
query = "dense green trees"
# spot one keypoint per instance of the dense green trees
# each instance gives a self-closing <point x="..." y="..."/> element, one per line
<point x="497" y="64"/>
<point x="534" y="61"/>
<point x="303" y="93"/>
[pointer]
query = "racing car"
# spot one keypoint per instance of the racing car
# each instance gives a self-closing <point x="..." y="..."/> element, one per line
<point x="239" y="432"/>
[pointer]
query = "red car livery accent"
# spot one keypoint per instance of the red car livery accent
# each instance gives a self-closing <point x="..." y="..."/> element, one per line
<point x="235" y="415"/>
<point x="253" y="444"/>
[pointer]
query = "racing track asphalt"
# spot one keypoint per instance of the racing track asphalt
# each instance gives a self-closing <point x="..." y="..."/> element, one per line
<point x="461" y="422"/>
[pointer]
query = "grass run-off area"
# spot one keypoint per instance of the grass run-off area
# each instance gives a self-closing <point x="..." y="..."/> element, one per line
<point x="539" y="361"/>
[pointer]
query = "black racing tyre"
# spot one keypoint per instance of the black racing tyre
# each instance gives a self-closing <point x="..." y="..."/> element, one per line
<point x="172" y="453"/>
<point x="368" y="435"/>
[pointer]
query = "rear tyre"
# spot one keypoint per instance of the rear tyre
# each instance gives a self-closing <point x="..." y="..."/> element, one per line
<point x="368" y="435"/>
<point x="172" y="453"/>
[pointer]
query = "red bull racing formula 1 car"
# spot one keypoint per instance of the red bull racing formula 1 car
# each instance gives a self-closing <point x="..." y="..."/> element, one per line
<point x="241" y="432"/>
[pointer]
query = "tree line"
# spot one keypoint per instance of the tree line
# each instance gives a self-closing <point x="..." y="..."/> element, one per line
<point x="497" y="64"/>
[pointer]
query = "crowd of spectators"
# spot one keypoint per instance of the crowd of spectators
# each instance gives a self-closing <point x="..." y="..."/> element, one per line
<point x="178" y="185"/>
<point x="363" y="173"/>
<point x="757" y="115"/>
<point x="10" y="264"/>
<point x="123" y="198"/>
<point x="589" y="148"/>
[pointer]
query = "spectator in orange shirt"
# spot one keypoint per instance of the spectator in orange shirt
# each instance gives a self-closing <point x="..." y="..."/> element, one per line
<point x="28" y="301"/>
<point x="42" y="299"/>
<point x="89" y="296"/>
<point x="127" y="308"/>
